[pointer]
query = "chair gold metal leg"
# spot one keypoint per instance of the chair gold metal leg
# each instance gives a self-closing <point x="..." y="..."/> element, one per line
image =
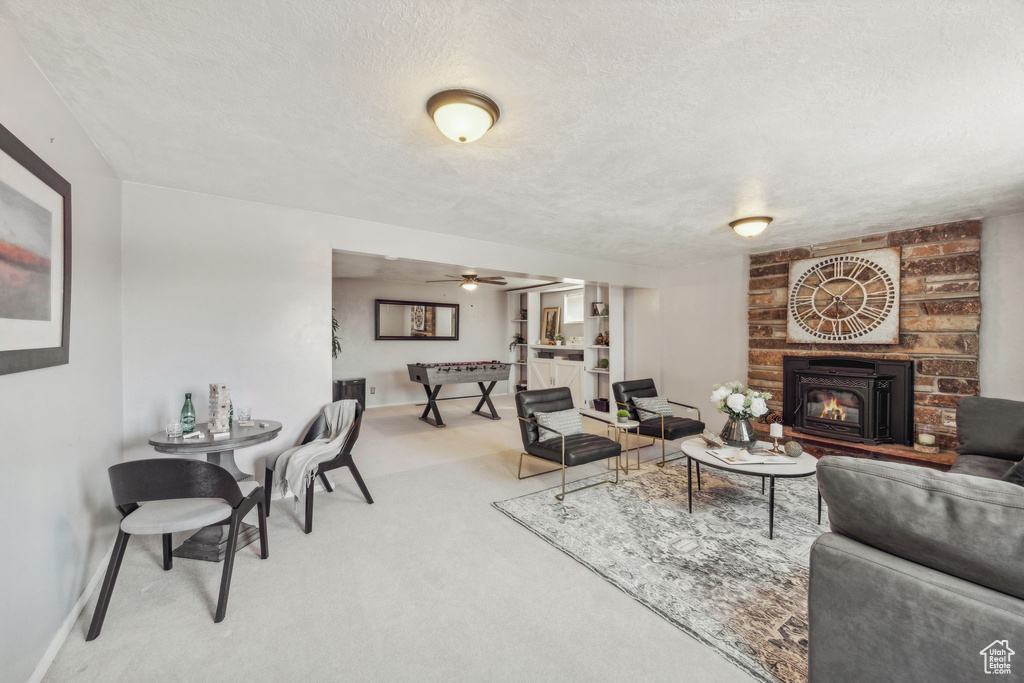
<point x="528" y="476"/>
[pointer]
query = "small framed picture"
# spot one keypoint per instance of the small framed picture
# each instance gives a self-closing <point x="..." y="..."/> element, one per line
<point x="596" y="308"/>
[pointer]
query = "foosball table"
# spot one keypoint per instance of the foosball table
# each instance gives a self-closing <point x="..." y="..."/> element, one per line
<point x="435" y="375"/>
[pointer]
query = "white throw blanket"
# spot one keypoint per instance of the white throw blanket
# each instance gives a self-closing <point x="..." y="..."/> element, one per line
<point x="296" y="467"/>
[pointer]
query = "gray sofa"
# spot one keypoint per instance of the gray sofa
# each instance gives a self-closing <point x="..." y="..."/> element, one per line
<point x="922" y="569"/>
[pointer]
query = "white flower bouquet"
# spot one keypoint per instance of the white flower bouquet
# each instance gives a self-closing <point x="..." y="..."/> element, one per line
<point x="736" y="401"/>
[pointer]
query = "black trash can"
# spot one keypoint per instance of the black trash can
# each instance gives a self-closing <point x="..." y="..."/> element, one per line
<point x="351" y="388"/>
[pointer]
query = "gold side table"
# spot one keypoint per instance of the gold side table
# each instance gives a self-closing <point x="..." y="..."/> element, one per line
<point x="626" y="428"/>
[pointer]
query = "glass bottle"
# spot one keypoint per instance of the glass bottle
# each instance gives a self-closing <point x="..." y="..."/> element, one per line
<point x="188" y="415"/>
<point x="231" y="413"/>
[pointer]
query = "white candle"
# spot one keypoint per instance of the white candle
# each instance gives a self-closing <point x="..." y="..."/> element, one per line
<point x="926" y="439"/>
<point x="775" y="430"/>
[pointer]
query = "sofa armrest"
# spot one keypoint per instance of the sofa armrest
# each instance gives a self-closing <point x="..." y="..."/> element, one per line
<point x="966" y="526"/>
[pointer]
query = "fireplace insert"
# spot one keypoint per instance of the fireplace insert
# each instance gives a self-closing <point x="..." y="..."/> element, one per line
<point x="863" y="400"/>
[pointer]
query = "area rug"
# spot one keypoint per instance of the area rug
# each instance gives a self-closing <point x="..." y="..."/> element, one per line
<point x="714" y="573"/>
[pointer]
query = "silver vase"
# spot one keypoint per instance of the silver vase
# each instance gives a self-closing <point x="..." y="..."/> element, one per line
<point x="738" y="433"/>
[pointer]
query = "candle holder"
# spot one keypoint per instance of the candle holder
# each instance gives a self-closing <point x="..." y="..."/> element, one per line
<point x="775" y="448"/>
<point x="924" y="441"/>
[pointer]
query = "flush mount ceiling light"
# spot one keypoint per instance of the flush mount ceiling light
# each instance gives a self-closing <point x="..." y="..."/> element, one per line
<point x="462" y="115"/>
<point x="469" y="285"/>
<point x="749" y="227"/>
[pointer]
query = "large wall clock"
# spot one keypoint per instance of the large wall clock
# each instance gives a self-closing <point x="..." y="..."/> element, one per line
<point x="848" y="298"/>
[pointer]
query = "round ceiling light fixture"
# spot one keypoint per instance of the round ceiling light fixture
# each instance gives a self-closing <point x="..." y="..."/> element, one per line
<point x="462" y="115"/>
<point x="469" y="285"/>
<point x="750" y="227"/>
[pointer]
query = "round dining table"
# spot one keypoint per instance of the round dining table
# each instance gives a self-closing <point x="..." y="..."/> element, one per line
<point x="209" y="543"/>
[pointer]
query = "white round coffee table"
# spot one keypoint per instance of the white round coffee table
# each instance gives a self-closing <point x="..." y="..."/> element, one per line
<point x="802" y="466"/>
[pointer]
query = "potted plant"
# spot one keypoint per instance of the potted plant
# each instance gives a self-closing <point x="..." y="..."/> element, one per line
<point x="559" y="339"/>
<point x="741" y="405"/>
<point x="623" y="415"/>
<point x="603" y="363"/>
<point x="517" y="339"/>
<point x="335" y="344"/>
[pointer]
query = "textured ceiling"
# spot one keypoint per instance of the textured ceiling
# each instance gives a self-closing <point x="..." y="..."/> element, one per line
<point x="367" y="266"/>
<point x="631" y="131"/>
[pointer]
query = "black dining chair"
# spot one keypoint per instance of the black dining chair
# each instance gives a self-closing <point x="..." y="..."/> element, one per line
<point x="342" y="459"/>
<point x="166" y="495"/>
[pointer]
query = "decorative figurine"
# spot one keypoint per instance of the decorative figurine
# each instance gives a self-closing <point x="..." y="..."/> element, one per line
<point x="600" y="340"/>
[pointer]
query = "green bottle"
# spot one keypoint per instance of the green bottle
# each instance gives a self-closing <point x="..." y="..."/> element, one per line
<point x="188" y="415"/>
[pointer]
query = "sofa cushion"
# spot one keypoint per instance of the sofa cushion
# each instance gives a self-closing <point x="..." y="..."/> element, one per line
<point x="990" y="426"/>
<point x="579" y="449"/>
<point x="651" y="407"/>
<point x="1015" y="475"/>
<point x="675" y="427"/>
<point x="962" y="525"/>
<point x="564" y="421"/>
<point x="981" y="466"/>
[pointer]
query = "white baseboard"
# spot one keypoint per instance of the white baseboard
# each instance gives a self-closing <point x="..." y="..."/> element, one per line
<point x="69" y="622"/>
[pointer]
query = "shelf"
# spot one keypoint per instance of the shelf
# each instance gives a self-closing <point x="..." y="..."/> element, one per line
<point x="519" y="362"/>
<point x="597" y="371"/>
<point x="518" y="321"/>
<point x="546" y="347"/>
<point x="596" y="317"/>
<point x="595" y="346"/>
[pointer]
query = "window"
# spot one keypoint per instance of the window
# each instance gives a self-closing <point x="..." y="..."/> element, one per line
<point x="573" y="308"/>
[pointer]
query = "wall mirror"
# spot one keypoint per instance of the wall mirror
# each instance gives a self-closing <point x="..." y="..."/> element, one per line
<point x="417" y="320"/>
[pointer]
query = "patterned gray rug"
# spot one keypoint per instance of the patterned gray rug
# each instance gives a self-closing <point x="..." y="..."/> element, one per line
<point x="714" y="574"/>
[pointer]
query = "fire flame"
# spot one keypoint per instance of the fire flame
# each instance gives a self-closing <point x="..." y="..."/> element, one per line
<point x="832" y="410"/>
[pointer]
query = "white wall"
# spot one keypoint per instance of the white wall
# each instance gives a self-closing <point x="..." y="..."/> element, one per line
<point x="224" y="290"/>
<point x="1002" y="313"/>
<point x="483" y="323"/>
<point x="704" y="331"/>
<point x="60" y="427"/>
<point x="643" y="330"/>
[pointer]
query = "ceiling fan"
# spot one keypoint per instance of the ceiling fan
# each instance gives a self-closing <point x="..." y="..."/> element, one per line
<point x="470" y="281"/>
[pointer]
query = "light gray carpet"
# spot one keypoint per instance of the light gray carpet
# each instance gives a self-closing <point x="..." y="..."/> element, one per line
<point x="428" y="584"/>
<point x="714" y="573"/>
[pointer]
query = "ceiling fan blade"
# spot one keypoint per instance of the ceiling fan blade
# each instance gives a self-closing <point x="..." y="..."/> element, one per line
<point x="456" y="280"/>
<point x="493" y="278"/>
<point x="493" y="282"/>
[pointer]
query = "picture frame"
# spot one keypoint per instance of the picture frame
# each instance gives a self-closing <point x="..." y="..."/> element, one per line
<point x="595" y="309"/>
<point x="550" y="323"/>
<point x="35" y="260"/>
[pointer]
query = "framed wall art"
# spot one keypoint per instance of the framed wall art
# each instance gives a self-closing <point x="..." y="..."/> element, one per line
<point x="35" y="260"/>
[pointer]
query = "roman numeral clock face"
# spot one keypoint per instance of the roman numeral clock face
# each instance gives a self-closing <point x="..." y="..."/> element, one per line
<point x="851" y="298"/>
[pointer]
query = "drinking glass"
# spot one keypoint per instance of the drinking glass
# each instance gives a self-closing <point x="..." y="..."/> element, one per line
<point x="174" y="427"/>
<point x="244" y="414"/>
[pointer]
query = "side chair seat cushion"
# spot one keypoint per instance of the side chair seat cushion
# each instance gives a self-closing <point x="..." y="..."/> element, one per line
<point x="180" y="514"/>
<point x="675" y="427"/>
<point x="579" y="449"/>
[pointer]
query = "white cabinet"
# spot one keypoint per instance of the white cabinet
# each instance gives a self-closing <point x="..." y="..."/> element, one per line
<point x="545" y="373"/>
<point x="541" y="374"/>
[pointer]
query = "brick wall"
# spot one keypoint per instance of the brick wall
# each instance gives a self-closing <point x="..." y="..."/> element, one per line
<point x="939" y="318"/>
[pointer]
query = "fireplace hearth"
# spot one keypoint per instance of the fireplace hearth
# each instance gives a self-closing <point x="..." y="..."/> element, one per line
<point x="862" y="400"/>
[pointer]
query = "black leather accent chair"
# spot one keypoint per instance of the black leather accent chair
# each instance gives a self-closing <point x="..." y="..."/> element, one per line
<point x="547" y="444"/>
<point x="663" y="428"/>
<point x="342" y="459"/>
